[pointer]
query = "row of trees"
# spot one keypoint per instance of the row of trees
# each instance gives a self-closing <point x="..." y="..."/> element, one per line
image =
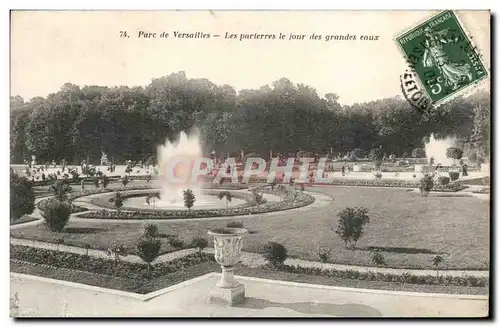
<point x="129" y="123"/>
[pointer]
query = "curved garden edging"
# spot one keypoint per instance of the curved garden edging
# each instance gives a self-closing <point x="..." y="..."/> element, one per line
<point x="105" y="203"/>
<point x="298" y="200"/>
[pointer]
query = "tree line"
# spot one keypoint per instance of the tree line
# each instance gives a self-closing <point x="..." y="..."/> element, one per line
<point x="77" y="123"/>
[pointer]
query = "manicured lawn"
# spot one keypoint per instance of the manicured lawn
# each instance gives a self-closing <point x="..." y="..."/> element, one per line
<point x="22" y="220"/>
<point x="144" y="286"/>
<point x="409" y="229"/>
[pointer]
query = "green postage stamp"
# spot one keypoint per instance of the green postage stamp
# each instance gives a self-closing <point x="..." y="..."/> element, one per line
<point x="442" y="56"/>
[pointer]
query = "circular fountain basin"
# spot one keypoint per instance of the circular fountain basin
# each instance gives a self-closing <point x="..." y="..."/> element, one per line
<point x="205" y="202"/>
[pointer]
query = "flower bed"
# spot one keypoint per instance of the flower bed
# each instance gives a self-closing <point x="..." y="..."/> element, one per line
<point x="61" y="259"/>
<point x="298" y="201"/>
<point x="405" y="278"/>
<point x="104" y="202"/>
<point x="452" y="187"/>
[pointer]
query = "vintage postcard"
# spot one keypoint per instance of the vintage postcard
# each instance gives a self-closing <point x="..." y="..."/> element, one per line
<point x="250" y="164"/>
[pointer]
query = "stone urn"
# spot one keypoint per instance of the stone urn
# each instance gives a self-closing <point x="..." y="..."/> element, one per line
<point x="227" y="251"/>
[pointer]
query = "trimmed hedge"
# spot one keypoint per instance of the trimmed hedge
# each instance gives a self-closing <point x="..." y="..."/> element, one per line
<point x="452" y="187"/>
<point x="61" y="259"/>
<point x="406" y="278"/>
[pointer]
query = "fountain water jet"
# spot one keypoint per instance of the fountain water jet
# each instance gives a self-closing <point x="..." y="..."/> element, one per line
<point x="187" y="147"/>
<point x="437" y="149"/>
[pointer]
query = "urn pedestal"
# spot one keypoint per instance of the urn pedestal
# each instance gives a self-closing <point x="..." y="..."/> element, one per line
<point x="227" y="251"/>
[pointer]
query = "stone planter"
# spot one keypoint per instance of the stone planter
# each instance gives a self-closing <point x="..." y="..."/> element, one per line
<point x="227" y="251"/>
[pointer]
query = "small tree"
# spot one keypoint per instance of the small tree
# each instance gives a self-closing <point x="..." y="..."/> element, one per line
<point x="275" y="254"/>
<point x="454" y="153"/>
<point x="56" y="214"/>
<point x="125" y="180"/>
<point x="152" y="196"/>
<point x="324" y="254"/>
<point x="189" y="199"/>
<point x="105" y="181"/>
<point x="58" y="241"/>
<point x="259" y="198"/>
<point x="60" y="189"/>
<point x="436" y="261"/>
<point x="350" y="225"/>
<point x="22" y="196"/>
<point x="426" y="184"/>
<point x="151" y="230"/>
<point x="200" y="243"/>
<point x="117" y="250"/>
<point x="96" y="182"/>
<point x="227" y="195"/>
<point x="87" y="247"/>
<point x="148" y="249"/>
<point x="418" y="153"/>
<point x="148" y="178"/>
<point x="281" y="190"/>
<point x="117" y="200"/>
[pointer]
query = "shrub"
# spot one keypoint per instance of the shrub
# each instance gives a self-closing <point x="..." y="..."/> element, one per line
<point x="117" y="200"/>
<point x="60" y="189"/>
<point x="235" y="224"/>
<point x="350" y="225"/>
<point x="378" y="258"/>
<point x="443" y="180"/>
<point x="148" y="249"/>
<point x="275" y="254"/>
<point x="22" y="196"/>
<point x="176" y="242"/>
<point x="151" y="230"/>
<point x="454" y="175"/>
<point x="324" y="254"/>
<point x="117" y="250"/>
<point x="57" y="214"/>
<point x="454" y="153"/>
<point x="189" y="199"/>
<point x="426" y="184"/>
<point x="200" y="243"/>
<point x="125" y="180"/>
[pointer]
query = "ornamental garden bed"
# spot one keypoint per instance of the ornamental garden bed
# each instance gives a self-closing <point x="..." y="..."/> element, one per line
<point x="452" y="187"/>
<point x="135" y="277"/>
<point x="298" y="202"/>
<point x="104" y="201"/>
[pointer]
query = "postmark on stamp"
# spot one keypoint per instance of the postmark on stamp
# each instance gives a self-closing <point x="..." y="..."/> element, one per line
<point x="442" y="57"/>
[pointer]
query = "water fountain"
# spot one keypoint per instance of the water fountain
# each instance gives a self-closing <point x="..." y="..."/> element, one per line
<point x="186" y="147"/>
<point x="437" y="149"/>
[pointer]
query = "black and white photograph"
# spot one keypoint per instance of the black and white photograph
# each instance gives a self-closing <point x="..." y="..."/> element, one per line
<point x="245" y="164"/>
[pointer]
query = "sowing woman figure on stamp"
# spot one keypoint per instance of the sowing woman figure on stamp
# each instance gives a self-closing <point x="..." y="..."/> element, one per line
<point x="435" y="56"/>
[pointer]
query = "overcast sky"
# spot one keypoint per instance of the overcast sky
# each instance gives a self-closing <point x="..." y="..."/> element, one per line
<point x="85" y="48"/>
